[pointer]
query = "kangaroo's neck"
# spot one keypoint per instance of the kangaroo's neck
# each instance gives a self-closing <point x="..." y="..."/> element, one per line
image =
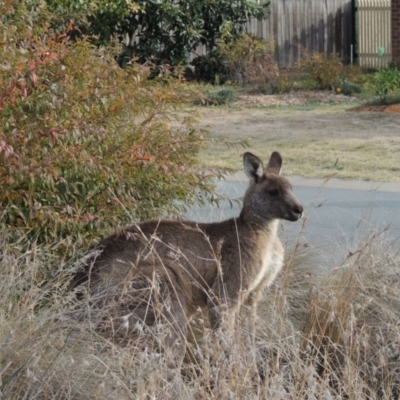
<point x="258" y="225"/>
<point x="255" y="223"/>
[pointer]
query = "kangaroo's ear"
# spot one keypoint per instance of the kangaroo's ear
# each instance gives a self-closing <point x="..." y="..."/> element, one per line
<point x="253" y="166"/>
<point x="275" y="163"/>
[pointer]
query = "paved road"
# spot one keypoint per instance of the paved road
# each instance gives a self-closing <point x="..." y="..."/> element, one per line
<point x="339" y="215"/>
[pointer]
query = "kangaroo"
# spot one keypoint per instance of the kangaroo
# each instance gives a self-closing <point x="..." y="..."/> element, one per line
<point x="166" y="268"/>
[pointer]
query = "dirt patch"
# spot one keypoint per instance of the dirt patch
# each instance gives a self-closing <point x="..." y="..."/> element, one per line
<point x="310" y="97"/>
<point x="393" y="108"/>
<point x="293" y="99"/>
<point x="316" y="139"/>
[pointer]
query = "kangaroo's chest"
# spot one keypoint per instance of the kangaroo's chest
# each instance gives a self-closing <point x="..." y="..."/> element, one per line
<point x="269" y="264"/>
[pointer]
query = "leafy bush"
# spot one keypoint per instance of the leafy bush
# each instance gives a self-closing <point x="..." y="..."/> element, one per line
<point x="221" y="96"/>
<point x="210" y="68"/>
<point x="165" y="31"/>
<point x="251" y="61"/>
<point x="354" y="73"/>
<point x="84" y="144"/>
<point x="348" y="88"/>
<point x="245" y="60"/>
<point x="387" y="82"/>
<point x="327" y="71"/>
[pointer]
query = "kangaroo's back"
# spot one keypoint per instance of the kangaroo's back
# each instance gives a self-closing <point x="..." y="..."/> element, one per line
<point x="184" y="245"/>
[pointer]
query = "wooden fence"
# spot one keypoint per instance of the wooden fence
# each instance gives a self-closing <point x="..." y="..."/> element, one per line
<point x="325" y="26"/>
<point x="374" y="33"/>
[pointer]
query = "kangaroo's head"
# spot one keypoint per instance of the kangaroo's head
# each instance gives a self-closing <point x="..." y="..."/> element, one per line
<point x="269" y="195"/>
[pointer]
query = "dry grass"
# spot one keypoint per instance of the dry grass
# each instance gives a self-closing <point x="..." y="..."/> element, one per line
<point x="373" y="159"/>
<point x="318" y="141"/>
<point x="327" y="337"/>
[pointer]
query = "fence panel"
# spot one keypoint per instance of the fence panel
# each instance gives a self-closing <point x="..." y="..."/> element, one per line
<point x="374" y="33"/>
<point x="325" y="26"/>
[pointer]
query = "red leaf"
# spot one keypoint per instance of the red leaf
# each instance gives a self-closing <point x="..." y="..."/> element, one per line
<point x="6" y="149"/>
<point x="51" y="56"/>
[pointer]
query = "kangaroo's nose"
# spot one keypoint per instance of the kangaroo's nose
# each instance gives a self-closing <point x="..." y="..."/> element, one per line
<point x="298" y="210"/>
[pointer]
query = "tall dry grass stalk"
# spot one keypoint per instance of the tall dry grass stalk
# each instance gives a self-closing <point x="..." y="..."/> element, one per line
<point x="323" y="337"/>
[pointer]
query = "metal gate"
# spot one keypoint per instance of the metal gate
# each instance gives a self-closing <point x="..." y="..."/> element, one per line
<point x="374" y="33"/>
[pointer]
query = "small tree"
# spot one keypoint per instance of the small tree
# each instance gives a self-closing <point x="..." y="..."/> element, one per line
<point x="84" y="144"/>
<point x="167" y="31"/>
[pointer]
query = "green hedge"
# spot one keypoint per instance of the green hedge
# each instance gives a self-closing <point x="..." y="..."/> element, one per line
<point x="85" y="144"/>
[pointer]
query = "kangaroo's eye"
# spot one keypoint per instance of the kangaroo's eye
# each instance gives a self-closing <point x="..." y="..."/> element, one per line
<point x="274" y="192"/>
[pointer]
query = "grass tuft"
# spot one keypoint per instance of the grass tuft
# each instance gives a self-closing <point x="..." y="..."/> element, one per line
<point x="318" y="336"/>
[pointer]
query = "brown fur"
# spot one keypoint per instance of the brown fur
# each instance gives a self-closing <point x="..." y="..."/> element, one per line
<point x="165" y="269"/>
